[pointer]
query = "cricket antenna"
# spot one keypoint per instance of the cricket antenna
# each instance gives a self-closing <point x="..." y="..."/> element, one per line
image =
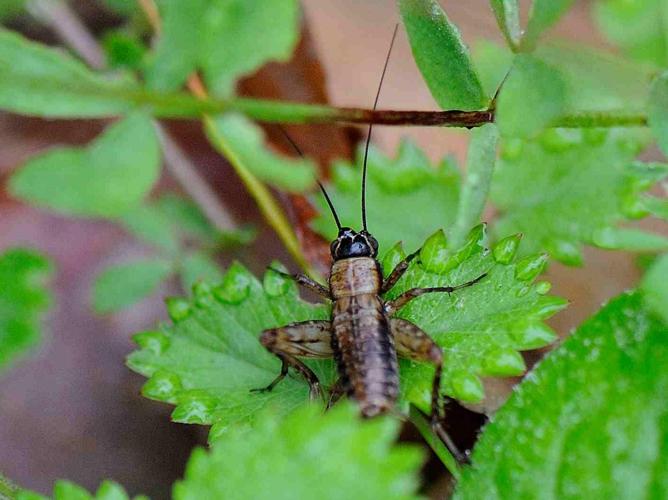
<point x="368" y="135"/>
<point x="322" y="188"/>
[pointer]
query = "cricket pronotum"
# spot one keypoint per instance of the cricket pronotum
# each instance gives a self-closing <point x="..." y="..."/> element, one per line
<point x="362" y="336"/>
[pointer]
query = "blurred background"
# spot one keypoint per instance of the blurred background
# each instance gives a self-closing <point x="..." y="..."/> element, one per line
<point x="72" y="409"/>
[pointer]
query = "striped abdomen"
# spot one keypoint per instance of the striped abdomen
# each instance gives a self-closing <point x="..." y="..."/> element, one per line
<point x="361" y="338"/>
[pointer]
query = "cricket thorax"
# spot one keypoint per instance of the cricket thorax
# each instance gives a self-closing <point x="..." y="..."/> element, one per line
<point x="355" y="276"/>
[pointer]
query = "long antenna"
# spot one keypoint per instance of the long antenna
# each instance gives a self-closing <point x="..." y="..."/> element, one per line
<point x="368" y="136"/>
<point x="322" y="188"/>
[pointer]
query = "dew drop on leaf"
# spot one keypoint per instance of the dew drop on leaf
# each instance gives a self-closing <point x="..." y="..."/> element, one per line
<point x="153" y="341"/>
<point x="235" y="286"/>
<point x="177" y="308"/>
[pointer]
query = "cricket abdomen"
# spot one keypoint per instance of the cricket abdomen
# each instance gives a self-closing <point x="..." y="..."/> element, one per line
<point x="361" y="337"/>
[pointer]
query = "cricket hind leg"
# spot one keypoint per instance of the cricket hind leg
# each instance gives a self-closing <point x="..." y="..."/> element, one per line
<point x="306" y="282"/>
<point x="394" y="305"/>
<point x="310" y="339"/>
<point x="413" y="343"/>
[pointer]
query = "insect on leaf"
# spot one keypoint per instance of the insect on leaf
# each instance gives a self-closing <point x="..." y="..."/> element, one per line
<point x="305" y="455"/>
<point x="395" y="187"/>
<point x="586" y="185"/>
<point x="226" y="39"/>
<point x="441" y="55"/>
<point x="23" y="300"/>
<point x="104" y="179"/>
<point x="589" y="421"/>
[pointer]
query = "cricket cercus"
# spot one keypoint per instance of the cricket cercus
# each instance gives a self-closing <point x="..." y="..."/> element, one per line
<point x="362" y="336"/>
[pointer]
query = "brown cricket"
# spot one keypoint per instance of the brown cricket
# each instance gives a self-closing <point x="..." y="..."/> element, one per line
<point x="362" y="336"/>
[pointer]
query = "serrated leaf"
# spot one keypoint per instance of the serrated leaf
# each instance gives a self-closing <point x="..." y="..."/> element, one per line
<point x="543" y="15"/>
<point x="588" y="422"/>
<point x="595" y="80"/>
<point x="441" y="55"/>
<point x="305" y="455"/>
<point x="396" y="187"/>
<point x="507" y="15"/>
<point x="533" y="96"/>
<point x="210" y="358"/>
<point x="23" y="300"/>
<point x="586" y="183"/>
<point x="67" y="490"/>
<point x="658" y="111"/>
<point x="637" y="27"/>
<point x="245" y="140"/>
<point x="123" y="285"/>
<point x="199" y="266"/>
<point x="655" y="287"/>
<point x="226" y="39"/>
<point x="104" y="179"/>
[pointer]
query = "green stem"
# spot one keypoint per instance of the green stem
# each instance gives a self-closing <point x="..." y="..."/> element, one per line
<point x="602" y="119"/>
<point x="422" y="425"/>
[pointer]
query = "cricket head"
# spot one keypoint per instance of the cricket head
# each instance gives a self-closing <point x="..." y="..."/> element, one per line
<point x="349" y="243"/>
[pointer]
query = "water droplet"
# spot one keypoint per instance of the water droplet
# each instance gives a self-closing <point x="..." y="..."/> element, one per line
<point x="467" y="387"/>
<point x="531" y="335"/>
<point x="154" y="341"/>
<point x="503" y="363"/>
<point x="522" y="291"/>
<point x="543" y="287"/>
<point x="203" y="295"/>
<point x="392" y="257"/>
<point x="504" y="251"/>
<point x="235" y="286"/>
<point x="548" y="305"/>
<point x="530" y="267"/>
<point x="194" y="409"/>
<point x="434" y="253"/>
<point x="568" y="252"/>
<point x="276" y="285"/>
<point x="178" y="308"/>
<point x="162" y="386"/>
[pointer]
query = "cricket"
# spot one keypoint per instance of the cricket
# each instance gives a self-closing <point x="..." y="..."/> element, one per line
<point x="362" y="335"/>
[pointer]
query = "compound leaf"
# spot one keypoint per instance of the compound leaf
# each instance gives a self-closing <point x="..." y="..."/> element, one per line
<point x="104" y="179"/>
<point x="441" y="55"/>
<point x="120" y="286"/>
<point x="569" y="187"/>
<point x="396" y="187"/>
<point x="305" y="455"/>
<point x="225" y="38"/>
<point x="637" y="27"/>
<point x="23" y="300"/>
<point x="589" y="422"/>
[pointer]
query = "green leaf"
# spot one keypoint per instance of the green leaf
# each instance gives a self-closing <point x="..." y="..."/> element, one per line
<point x="507" y="14"/>
<point x="123" y="285"/>
<point x="655" y="287"/>
<point x="479" y="168"/>
<point x="305" y="455"/>
<point x="589" y="422"/>
<point x="226" y="39"/>
<point x="123" y="50"/>
<point x="23" y="300"/>
<point x="637" y="27"/>
<point x="199" y="266"/>
<point x="67" y="490"/>
<point x="544" y="14"/>
<point x="186" y="217"/>
<point x="658" y="111"/>
<point x="533" y="96"/>
<point x="570" y="187"/>
<point x="210" y="358"/>
<point x="595" y="80"/>
<point x="10" y="9"/>
<point x="151" y="225"/>
<point x="245" y="140"/>
<point x="104" y="179"/>
<point x="441" y="55"/>
<point x="395" y="188"/>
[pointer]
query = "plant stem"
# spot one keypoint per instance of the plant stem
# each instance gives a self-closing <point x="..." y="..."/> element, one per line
<point x="422" y="425"/>
<point x="64" y="21"/>
<point x="603" y="119"/>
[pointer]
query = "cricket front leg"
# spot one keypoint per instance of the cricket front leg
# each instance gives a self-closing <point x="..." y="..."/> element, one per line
<point x="413" y="343"/>
<point x="306" y="282"/>
<point x="398" y="272"/>
<point x="310" y="339"/>
<point x="394" y="305"/>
